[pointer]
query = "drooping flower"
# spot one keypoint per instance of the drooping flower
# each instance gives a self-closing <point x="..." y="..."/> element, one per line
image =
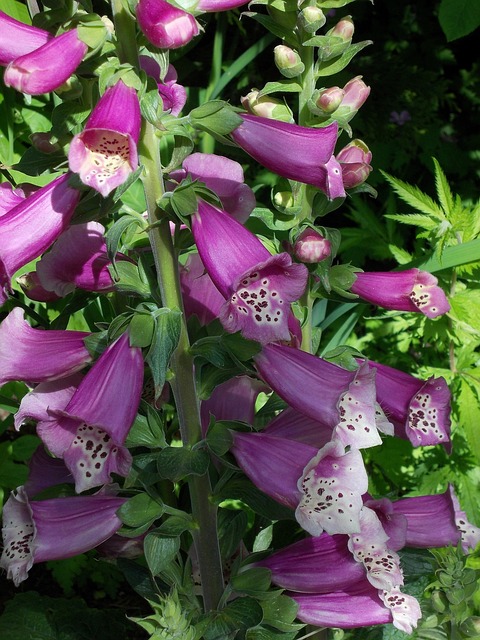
<point x="77" y="259"/>
<point x="54" y="529"/>
<point x="105" y="153"/>
<point x="298" y="153"/>
<point x="336" y="397"/>
<point x="165" y="26"/>
<point x="294" y="425"/>
<point x="48" y="67"/>
<point x="49" y="211"/>
<point x="419" y="409"/>
<point x="10" y="197"/>
<point x="224" y="177"/>
<point x="35" y="355"/>
<point x="410" y="290"/>
<point x="89" y="431"/>
<point x="258" y="287"/>
<point x="18" y="39"/>
<point x="200" y="296"/>
<point x="174" y="95"/>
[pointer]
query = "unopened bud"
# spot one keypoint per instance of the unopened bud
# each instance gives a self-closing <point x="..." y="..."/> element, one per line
<point x="344" y="29"/>
<point x="356" y="92"/>
<point x="328" y="100"/>
<point x="439" y="600"/>
<point x="110" y="27"/>
<point x="311" y="247"/>
<point x="41" y="142"/>
<point x="355" y="161"/>
<point x="283" y="199"/>
<point x="266" y="106"/>
<point x="288" y="61"/>
<point x="71" y="89"/>
<point x="311" y="19"/>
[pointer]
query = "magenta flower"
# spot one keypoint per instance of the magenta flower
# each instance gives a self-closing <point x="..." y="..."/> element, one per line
<point x="44" y="472"/>
<point x="77" y="259"/>
<point x="211" y="6"/>
<point x="354" y="161"/>
<point x="54" y="529"/>
<point x="293" y="425"/>
<point x="410" y="290"/>
<point x="164" y="25"/>
<point x="419" y="409"/>
<point x="9" y="197"/>
<point x="48" y="67"/>
<point x="48" y="211"/>
<point x="35" y="355"/>
<point x="200" y="296"/>
<point x="89" y="431"/>
<point x="258" y="287"/>
<point x="18" y="39"/>
<point x="224" y="177"/>
<point x="294" y="152"/>
<point x="343" y="400"/>
<point x="105" y="153"/>
<point x="174" y="95"/>
<point x="470" y="534"/>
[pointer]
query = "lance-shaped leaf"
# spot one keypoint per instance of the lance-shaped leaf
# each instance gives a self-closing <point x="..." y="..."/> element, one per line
<point x="165" y="341"/>
<point x="35" y="355"/>
<point x="341" y="399"/>
<point x="17" y="39"/>
<point x="53" y="529"/>
<point x="48" y="67"/>
<point x="105" y="153"/>
<point x="257" y="286"/>
<point x="298" y="153"/>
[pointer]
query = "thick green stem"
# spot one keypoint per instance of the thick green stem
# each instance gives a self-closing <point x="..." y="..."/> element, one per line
<point x="183" y="384"/>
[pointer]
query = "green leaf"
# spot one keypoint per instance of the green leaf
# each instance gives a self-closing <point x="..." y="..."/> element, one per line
<point x="469" y="410"/>
<point x="36" y="163"/>
<point x="165" y="341"/>
<point x="116" y="231"/>
<point x="413" y="196"/>
<point x="129" y="279"/>
<point x="131" y="179"/>
<point x="176" y="463"/>
<point x="232" y="525"/>
<point x="274" y="27"/>
<point x="159" y="551"/>
<point x="141" y="329"/>
<point x="238" y="616"/>
<point x="415" y="219"/>
<point x="66" y="117"/>
<point x="444" y="192"/>
<point x="289" y="85"/>
<point x="458" y="18"/>
<point x="280" y="612"/>
<point x="216" y="117"/>
<point x="140" y="510"/>
<point x="240" y="488"/>
<point x="330" y="67"/>
<point x="147" y="431"/>
<point x="254" y="581"/>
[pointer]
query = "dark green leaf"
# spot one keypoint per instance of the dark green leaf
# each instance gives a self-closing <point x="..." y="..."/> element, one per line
<point x="458" y="18"/>
<point x="67" y="116"/>
<point x="141" y="330"/>
<point x="253" y="581"/>
<point x="165" y="341"/>
<point x="159" y="551"/>
<point x="238" y="616"/>
<point x="128" y="279"/>
<point x="175" y="463"/>
<point x="140" y="510"/>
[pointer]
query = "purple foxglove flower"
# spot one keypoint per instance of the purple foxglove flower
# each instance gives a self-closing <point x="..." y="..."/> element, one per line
<point x="311" y="247"/>
<point x="405" y="609"/>
<point x="174" y="96"/>
<point x="369" y="546"/>
<point x="257" y="286"/>
<point x="48" y="211"/>
<point x="54" y="529"/>
<point x="470" y="534"/>
<point x="44" y="472"/>
<point x="120" y="547"/>
<point x="232" y="400"/>
<point x="9" y="197"/>
<point x="410" y="290"/>
<point x="32" y="288"/>
<point x="294" y="152"/>
<point x="77" y="259"/>
<point x="315" y="565"/>
<point x="164" y="25"/>
<point x="200" y="296"/>
<point x="90" y="431"/>
<point x="293" y="425"/>
<point x="341" y="399"/>
<point x="332" y="486"/>
<point x="354" y="161"/>
<point x="211" y="6"/>
<point x="48" y="67"/>
<point x="419" y="409"/>
<point x="357" y="606"/>
<point x="224" y="177"/>
<point x="105" y="153"/>
<point x="394" y="524"/>
<point x="18" y="39"/>
<point x="35" y="355"/>
<point x="421" y="512"/>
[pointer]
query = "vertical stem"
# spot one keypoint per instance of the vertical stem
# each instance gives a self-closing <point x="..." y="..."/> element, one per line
<point x="183" y="385"/>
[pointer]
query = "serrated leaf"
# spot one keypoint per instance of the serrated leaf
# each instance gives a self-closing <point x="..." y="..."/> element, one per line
<point x="469" y="410"/>
<point x="413" y="196"/>
<point x="444" y="192"/>
<point x="415" y="219"/>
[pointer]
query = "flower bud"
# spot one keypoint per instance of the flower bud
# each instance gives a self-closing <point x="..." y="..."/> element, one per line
<point x="41" y="142"/>
<point x="356" y="93"/>
<point x="266" y="106"/>
<point x="283" y="199"/>
<point x="344" y="29"/>
<point x="311" y="19"/>
<point x="328" y="100"/>
<point x="311" y="247"/>
<point x="288" y="61"/>
<point x="355" y="161"/>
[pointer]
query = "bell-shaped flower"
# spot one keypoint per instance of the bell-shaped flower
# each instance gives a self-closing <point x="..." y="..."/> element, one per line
<point x="54" y="529"/>
<point x="294" y="425"/>
<point x="419" y="409"/>
<point x="174" y="95"/>
<point x="224" y="177"/>
<point x="36" y="355"/>
<point x="294" y="152"/>
<point x="410" y="290"/>
<point x="258" y="287"/>
<point x="165" y="26"/>
<point x="49" y="211"/>
<point x="105" y="153"/>
<point x="10" y="197"/>
<point x="314" y="565"/>
<point x="89" y="432"/>
<point x="48" y="67"/>
<point x="200" y="296"/>
<point x="394" y="524"/>
<point x="404" y="608"/>
<point x="18" y="39"/>
<point x="356" y="606"/>
<point x="77" y="259"/>
<point x="336" y="397"/>
<point x="470" y="534"/>
<point x="31" y="287"/>
<point x="45" y="471"/>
